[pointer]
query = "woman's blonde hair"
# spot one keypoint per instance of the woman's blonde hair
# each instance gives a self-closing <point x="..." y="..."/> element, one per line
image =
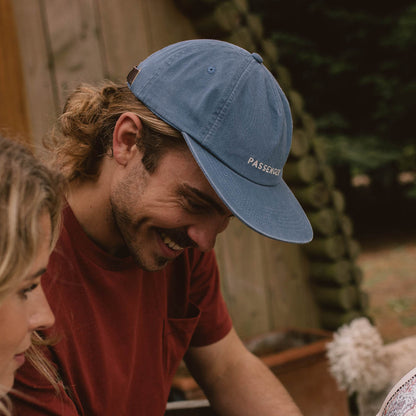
<point x="84" y="132"/>
<point x="28" y="190"/>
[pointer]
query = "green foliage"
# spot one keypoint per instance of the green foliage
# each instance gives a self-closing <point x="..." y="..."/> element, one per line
<point x="354" y="64"/>
<point x="365" y="154"/>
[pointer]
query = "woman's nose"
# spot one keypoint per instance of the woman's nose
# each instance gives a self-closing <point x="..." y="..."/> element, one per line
<point x="41" y="315"/>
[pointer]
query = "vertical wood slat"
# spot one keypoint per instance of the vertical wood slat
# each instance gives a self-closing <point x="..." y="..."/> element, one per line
<point x="37" y="76"/>
<point x="241" y="263"/>
<point x="265" y="282"/>
<point x="72" y="31"/>
<point x="125" y="35"/>
<point x="13" y="110"/>
<point x="289" y="295"/>
<point x="65" y="43"/>
<point x="167" y="24"/>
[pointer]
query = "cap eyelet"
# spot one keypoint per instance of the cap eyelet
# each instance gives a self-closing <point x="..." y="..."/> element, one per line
<point x="133" y="74"/>
<point x="211" y="69"/>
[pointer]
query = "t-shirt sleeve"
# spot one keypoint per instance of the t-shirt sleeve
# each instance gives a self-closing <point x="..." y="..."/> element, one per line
<point x="215" y="321"/>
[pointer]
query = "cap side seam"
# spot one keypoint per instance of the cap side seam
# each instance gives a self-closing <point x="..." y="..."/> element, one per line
<point x="226" y="104"/>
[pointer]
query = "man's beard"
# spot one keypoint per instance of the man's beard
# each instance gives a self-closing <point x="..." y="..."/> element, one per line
<point x="125" y="228"/>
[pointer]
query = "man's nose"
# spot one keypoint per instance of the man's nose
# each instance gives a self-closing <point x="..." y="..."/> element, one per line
<point x="41" y="315"/>
<point x="204" y="233"/>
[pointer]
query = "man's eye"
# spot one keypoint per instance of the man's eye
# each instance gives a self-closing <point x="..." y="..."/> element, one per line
<point x="197" y="207"/>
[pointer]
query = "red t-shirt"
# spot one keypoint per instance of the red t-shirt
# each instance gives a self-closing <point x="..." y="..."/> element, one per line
<point x="123" y="331"/>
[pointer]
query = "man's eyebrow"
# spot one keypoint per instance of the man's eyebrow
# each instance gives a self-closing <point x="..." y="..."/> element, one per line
<point x="188" y="191"/>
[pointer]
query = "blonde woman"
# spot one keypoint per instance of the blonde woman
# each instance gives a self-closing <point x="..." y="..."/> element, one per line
<point x="30" y="205"/>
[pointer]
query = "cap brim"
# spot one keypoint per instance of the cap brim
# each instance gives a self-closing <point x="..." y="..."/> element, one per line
<point x="270" y="210"/>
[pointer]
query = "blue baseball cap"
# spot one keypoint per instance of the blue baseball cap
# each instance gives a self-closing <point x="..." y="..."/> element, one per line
<point x="236" y="122"/>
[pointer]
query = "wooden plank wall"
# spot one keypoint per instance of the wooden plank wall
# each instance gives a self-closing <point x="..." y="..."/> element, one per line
<point x="265" y="283"/>
<point x="13" y="110"/>
<point x="64" y="43"/>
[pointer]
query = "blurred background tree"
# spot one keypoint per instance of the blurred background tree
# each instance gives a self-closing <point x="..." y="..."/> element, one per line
<point x="354" y="64"/>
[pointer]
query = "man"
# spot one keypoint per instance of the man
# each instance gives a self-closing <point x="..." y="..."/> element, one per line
<point x="156" y="171"/>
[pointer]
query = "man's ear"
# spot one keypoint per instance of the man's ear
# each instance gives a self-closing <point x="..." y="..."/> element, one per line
<point x="126" y="132"/>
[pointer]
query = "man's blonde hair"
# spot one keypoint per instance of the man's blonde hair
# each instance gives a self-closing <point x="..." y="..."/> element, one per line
<point x="84" y="132"/>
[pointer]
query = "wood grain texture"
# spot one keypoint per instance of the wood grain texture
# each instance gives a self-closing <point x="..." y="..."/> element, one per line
<point x="289" y="296"/>
<point x="38" y="75"/>
<point x="166" y="24"/>
<point x="75" y="47"/>
<point x="13" y="110"/>
<point x="125" y="34"/>
<point x="242" y="267"/>
<point x="265" y="282"/>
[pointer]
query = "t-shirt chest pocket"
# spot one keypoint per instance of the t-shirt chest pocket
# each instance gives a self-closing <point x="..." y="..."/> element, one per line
<point x="177" y="334"/>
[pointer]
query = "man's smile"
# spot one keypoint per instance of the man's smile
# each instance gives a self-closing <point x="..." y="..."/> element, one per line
<point x="170" y="243"/>
<point x="175" y="239"/>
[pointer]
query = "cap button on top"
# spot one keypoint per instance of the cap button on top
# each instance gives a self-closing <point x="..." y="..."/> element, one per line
<point x="257" y="57"/>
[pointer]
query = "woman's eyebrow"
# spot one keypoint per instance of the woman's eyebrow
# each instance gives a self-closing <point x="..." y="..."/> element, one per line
<point x="188" y="191"/>
<point x="40" y="272"/>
